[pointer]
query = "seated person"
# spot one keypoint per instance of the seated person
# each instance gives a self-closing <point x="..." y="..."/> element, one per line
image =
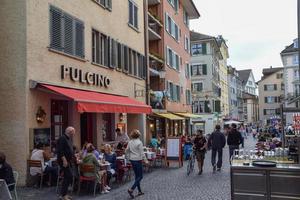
<point x="101" y="175"/>
<point x="154" y="142"/>
<point x="112" y="159"/>
<point x="95" y="152"/>
<point x="39" y="154"/>
<point x="6" y="171"/>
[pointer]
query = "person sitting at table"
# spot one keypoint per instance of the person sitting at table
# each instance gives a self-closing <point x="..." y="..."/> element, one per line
<point x="101" y="175"/>
<point x="95" y="152"/>
<point x="154" y="142"/>
<point x="6" y="171"/>
<point x="110" y="157"/>
<point x="39" y="154"/>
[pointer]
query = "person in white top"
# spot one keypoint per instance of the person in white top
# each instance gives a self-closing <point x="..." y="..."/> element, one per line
<point x="135" y="153"/>
<point x="39" y="154"/>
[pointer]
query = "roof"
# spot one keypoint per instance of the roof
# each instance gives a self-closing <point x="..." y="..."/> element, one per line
<point x="194" y="36"/>
<point x="191" y="9"/>
<point x="290" y="49"/>
<point x="268" y="72"/>
<point x="244" y="74"/>
<point x="249" y="96"/>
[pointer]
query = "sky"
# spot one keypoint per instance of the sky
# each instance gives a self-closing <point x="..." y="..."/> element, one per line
<point x="256" y="31"/>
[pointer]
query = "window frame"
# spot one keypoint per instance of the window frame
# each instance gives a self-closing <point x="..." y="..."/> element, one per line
<point x="135" y="11"/>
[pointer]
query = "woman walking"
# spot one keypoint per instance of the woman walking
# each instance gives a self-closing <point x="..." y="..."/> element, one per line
<point x="135" y="153"/>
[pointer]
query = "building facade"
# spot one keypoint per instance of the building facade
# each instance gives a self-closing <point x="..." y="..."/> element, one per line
<point x="232" y="93"/>
<point x="70" y="65"/>
<point x="250" y="99"/>
<point x="205" y="76"/>
<point x="290" y="61"/>
<point x="271" y="90"/>
<point x="169" y="57"/>
<point x="223" y="77"/>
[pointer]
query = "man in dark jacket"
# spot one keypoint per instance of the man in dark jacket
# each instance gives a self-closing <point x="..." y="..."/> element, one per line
<point x="6" y="172"/>
<point x="65" y="157"/>
<point x="217" y="142"/>
<point x="234" y="139"/>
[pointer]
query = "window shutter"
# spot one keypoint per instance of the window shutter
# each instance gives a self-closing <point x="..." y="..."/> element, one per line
<point x="278" y="111"/>
<point x="126" y="58"/>
<point x="266" y="99"/>
<point x="204" y="49"/>
<point x="178" y="93"/>
<point x="79" y="39"/>
<point x="275" y="86"/>
<point x="112" y="53"/>
<point x="55" y="28"/>
<point x="204" y="69"/>
<point x="109" y="4"/>
<point x="166" y="22"/>
<point x="265" y="87"/>
<point x="206" y="108"/>
<point x="68" y="34"/>
<point x="167" y="56"/>
<point x="218" y="106"/>
<point x="265" y="112"/>
<point x="145" y="69"/>
<point x="120" y="56"/>
<point x="131" y="16"/>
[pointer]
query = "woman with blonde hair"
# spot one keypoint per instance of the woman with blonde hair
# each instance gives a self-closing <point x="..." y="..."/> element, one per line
<point x="135" y="153"/>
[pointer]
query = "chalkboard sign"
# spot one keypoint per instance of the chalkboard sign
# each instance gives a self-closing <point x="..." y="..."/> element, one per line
<point x="174" y="151"/>
<point x="42" y="136"/>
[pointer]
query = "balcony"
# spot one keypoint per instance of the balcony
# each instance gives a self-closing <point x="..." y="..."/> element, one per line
<point x="153" y="2"/>
<point x="154" y="57"/>
<point x="154" y="27"/>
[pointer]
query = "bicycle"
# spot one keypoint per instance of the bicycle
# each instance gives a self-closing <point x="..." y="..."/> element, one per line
<point x="191" y="163"/>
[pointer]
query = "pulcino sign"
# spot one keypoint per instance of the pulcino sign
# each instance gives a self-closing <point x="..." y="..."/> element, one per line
<point x="78" y="75"/>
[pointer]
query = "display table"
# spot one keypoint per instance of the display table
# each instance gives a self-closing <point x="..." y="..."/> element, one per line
<point x="265" y="183"/>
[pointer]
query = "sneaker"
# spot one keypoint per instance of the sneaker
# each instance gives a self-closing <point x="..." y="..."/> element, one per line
<point x="107" y="188"/>
<point x="104" y="191"/>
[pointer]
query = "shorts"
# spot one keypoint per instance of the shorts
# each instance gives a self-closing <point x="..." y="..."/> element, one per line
<point x="200" y="155"/>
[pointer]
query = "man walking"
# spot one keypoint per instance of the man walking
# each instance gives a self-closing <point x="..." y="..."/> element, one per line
<point x="234" y="139"/>
<point x="217" y="142"/>
<point x="200" y="149"/>
<point x="65" y="156"/>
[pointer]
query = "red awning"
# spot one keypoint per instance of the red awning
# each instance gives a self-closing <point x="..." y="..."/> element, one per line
<point x="89" y="101"/>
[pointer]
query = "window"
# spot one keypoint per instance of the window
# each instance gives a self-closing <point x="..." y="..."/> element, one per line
<point x="66" y="33"/>
<point x="186" y="44"/>
<point x="172" y="59"/>
<point x="250" y="82"/>
<point x="174" y="4"/>
<point x="133" y="14"/>
<point x="198" y="70"/>
<point x="197" y="87"/>
<point x="187" y="71"/>
<point x="188" y="97"/>
<point x="171" y="27"/>
<point x="279" y="75"/>
<point x="269" y="111"/>
<point x="271" y="99"/>
<point x="100" y="48"/>
<point x="282" y="86"/>
<point x="295" y="59"/>
<point x="105" y="4"/>
<point x="198" y="49"/>
<point x="185" y="18"/>
<point x="296" y="73"/>
<point x="270" y="87"/>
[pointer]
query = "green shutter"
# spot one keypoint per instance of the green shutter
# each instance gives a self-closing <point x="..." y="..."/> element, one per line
<point x="218" y="106"/>
<point x="275" y="86"/>
<point x="56" y="29"/>
<point x="265" y="112"/>
<point x="204" y="50"/>
<point x="265" y="87"/>
<point x="204" y="69"/>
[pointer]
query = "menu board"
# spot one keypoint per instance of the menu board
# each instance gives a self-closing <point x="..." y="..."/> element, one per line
<point x="174" y="150"/>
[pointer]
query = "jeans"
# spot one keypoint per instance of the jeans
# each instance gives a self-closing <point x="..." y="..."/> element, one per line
<point x="137" y="166"/>
<point x="213" y="157"/>
<point x="68" y="179"/>
<point x="231" y="150"/>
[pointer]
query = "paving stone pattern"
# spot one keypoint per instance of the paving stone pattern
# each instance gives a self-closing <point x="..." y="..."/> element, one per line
<point x="163" y="183"/>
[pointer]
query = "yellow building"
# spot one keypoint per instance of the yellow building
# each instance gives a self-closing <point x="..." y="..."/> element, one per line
<point x="223" y="76"/>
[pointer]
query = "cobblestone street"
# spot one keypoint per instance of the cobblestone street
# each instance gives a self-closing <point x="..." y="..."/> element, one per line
<point x="165" y="183"/>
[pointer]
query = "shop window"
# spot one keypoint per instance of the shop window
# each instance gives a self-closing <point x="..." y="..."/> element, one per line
<point x="66" y="33"/>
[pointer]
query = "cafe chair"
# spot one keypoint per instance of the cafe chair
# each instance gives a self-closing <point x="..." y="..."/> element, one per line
<point x="38" y="164"/>
<point x="86" y="168"/>
<point x="16" y="176"/>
